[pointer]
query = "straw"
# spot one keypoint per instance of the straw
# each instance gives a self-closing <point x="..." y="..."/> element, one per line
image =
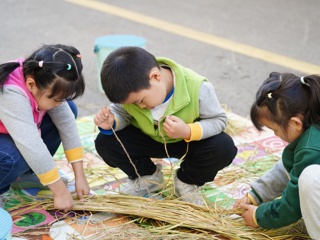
<point x="178" y="214"/>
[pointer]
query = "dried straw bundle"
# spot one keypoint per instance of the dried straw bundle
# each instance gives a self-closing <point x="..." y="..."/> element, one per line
<point x="208" y="220"/>
<point x="235" y="125"/>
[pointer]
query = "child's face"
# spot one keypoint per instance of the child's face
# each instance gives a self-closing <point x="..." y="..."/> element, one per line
<point x="148" y="98"/>
<point x="44" y="102"/>
<point x="292" y="133"/>
<point x="42" y="96"/>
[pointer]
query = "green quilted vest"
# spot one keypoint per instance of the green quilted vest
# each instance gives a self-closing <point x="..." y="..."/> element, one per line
<point x="183" y="104"/>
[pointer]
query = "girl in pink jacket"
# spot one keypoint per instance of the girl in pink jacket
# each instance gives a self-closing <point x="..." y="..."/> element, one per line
<point x="37" y="114"/>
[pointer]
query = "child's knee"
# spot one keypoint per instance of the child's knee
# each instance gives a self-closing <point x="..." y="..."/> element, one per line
<point x="230" y="150"/>
<point x="73" y="108"/>
<point x="309" y="178"/>
<point x="100" y="143"/>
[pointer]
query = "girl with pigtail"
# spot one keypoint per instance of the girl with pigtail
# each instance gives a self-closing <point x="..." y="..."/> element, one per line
<point x="290" y="106"/>
<point x="37" y="114"/>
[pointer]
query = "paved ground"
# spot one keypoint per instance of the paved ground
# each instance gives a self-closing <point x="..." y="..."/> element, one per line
<point x="236" y="44"/>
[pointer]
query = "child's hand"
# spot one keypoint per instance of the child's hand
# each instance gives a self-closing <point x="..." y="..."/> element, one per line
<point x="245" y="200"/>
<point x="104" y="119"/>
<point x="248" y="215"/>
<point x="64" y="201"/>
<point x="62" y="197"/>
<point x="176" y="128"/>
<point x="82" y="186"/>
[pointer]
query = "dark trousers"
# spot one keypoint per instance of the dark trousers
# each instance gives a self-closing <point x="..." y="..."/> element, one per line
<point x="201" y="164"/>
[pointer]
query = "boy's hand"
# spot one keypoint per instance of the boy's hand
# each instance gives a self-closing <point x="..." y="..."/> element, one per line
<point x="248" y="215"/>
<point x="176" y="128"/>
<point x="104" y="119"/>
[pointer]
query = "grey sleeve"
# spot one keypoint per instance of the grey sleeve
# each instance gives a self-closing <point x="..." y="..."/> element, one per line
<point x="16" y="115"/>
<point x="121" y="115"/>
<point x="271" y="185"/>
<point x="213" y="118"/>
<point x="64" y="120"/>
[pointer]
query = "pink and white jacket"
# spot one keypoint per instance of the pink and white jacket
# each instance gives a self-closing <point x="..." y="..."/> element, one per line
<point x="21" y="119"/>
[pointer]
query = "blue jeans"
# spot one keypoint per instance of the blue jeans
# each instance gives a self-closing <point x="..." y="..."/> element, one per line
<point x="12" y="163"/>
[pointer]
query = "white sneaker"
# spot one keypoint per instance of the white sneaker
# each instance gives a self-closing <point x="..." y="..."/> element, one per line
<point x="188" y="192"/>
<point x="145" y="184"/>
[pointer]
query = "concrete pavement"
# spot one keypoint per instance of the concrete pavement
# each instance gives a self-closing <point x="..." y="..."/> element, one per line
<point x="236" y="44"/>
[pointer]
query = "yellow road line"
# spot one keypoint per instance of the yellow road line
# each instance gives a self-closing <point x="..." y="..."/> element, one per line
<point x="233" y="46"/>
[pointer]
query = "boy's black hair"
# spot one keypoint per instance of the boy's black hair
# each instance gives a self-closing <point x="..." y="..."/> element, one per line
<point x="285" y="96"/>
<point x="126" y="70"/>
<point x="61" y="69"/>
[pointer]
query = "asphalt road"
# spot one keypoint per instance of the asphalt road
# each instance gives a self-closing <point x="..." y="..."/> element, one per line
<point x="235" y="44"/>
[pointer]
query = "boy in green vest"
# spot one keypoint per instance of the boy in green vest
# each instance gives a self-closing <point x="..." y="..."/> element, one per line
<point x="160" y="109"/>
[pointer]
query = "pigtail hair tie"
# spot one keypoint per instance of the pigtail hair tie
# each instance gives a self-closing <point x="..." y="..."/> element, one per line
<point x="68" y="66"/>
<point x="303" y="82"/>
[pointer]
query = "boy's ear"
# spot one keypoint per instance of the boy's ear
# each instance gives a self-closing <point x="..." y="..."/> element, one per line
<point x="297" y="123"/>
<point x="155" y="74"/>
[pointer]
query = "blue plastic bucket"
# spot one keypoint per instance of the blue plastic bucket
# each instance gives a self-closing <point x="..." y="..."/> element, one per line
<point x="106" y="44"/>
<point x="5" y="225"/>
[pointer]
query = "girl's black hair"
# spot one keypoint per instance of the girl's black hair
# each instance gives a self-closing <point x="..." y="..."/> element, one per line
<point x="126" y="70"/>
<point x="57" y="66"/>
<point x="285" y="96"/>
